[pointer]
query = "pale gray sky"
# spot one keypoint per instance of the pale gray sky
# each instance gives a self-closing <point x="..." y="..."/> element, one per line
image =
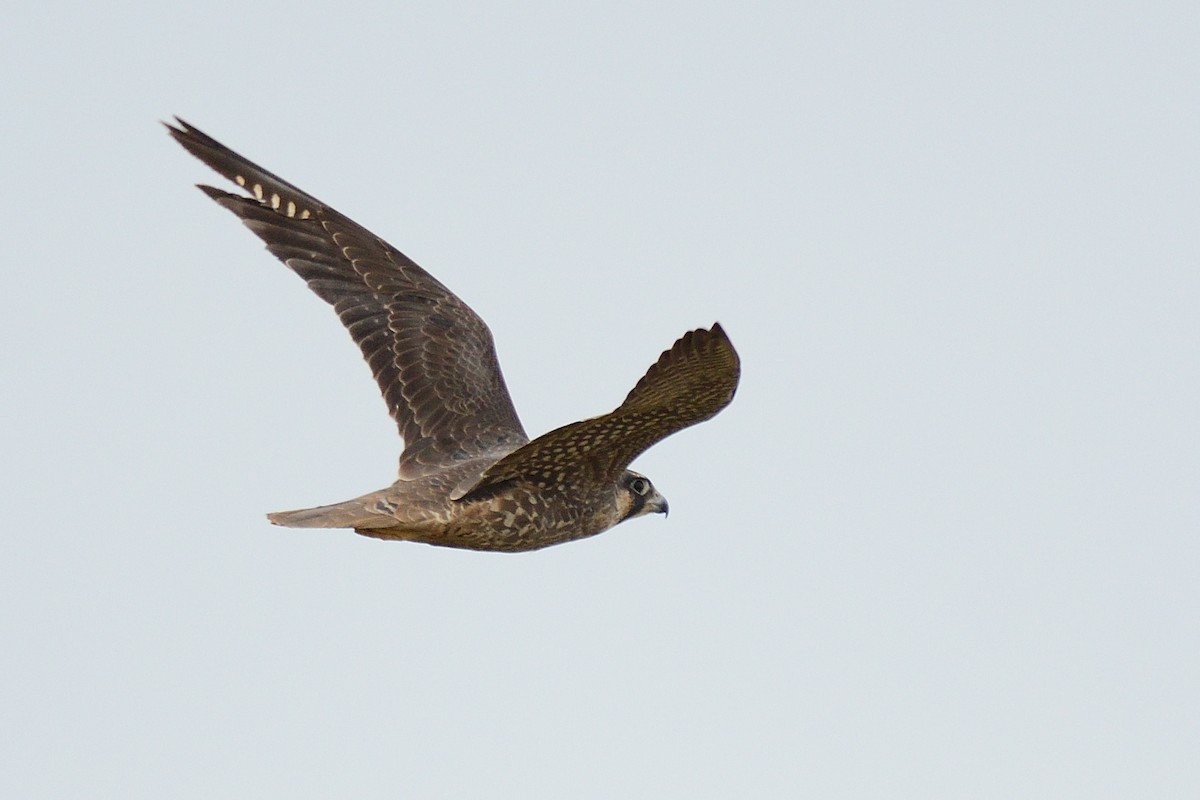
<point x="944" y="543"/>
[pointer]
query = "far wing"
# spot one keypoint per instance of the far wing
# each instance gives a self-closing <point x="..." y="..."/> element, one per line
<point x="432" y="356"/>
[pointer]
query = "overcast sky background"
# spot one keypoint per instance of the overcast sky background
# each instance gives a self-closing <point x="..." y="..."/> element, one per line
<point x="944" y="543"/>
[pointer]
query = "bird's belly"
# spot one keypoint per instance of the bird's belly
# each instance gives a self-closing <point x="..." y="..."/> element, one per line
<point x="514" y="521"/>
<point x="510" y="525"/>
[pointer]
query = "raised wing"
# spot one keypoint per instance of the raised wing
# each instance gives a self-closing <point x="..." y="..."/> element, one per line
<point x="432" y="356"/>
<point x="690" y="383"/>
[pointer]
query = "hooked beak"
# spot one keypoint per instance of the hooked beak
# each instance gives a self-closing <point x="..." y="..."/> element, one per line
<point x="658" y="504"/>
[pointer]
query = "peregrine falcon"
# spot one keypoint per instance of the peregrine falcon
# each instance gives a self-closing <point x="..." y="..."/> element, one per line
<point x="469" y="475"/>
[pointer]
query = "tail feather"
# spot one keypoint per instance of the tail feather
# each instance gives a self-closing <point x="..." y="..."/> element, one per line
<point x="350" y="514"/>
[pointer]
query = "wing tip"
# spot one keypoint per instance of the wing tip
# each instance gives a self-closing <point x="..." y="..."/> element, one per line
<point x="715" y="341"/>
<point x="704" y="337"/>
<point x="261" y="185"/>
<point x="185" y="133"/>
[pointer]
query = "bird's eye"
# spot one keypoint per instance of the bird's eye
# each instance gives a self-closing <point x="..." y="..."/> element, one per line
<point x="640" y="485"/>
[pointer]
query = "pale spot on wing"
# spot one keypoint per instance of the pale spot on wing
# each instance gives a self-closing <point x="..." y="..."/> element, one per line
<point x="291" y="209"/>
<point x="258" y="191"/>
<point x="304" y="214"/>
<point x="241" y="180"/>
<point x="275" y="201"/>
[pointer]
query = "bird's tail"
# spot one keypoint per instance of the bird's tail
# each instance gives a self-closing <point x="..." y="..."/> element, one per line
<point x="362" y="512"/>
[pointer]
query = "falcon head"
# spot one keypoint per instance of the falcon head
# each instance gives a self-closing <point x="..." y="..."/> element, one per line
<point x="637" y="496"/>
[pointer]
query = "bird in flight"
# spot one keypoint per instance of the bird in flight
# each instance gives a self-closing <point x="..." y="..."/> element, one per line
<point x="469" y="475"/>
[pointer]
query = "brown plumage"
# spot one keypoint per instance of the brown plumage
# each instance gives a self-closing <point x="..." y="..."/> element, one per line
<point x="469" y="475"/>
